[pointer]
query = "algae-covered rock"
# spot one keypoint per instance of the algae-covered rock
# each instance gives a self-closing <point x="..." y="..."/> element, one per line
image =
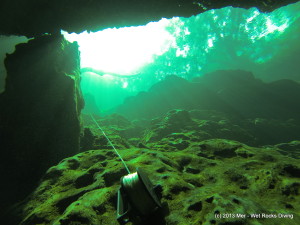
<point x="122" y="132"/>
<point x="205" y="180"/>
<point x="292" y="149"/>
<point x="198" y="125"/>
<point x="179" y="128"/>
<point x="174" y="121"/>
<point x="216" y="181"/>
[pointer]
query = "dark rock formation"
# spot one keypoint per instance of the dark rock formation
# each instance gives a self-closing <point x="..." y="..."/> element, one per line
<point x="39" y="113"/>
<point x="90" y="104"/>
<point x="32" y="18"/>
<point x="291" y="149"/>
<point x="253" y="98"/>
<point x="120" y="131"/>
<point x="87" y="140"/>
<point x="173" y="92"/>
<point x="236" y="93"/>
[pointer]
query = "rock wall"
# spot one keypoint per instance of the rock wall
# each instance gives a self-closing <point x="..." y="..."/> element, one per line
<point x="39" y="113"/>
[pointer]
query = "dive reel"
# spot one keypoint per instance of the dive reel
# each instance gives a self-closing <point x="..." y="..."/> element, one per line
<point x="138" y="200"/>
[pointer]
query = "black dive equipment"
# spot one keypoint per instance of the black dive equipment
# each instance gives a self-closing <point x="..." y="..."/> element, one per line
<point x="139" y="199"/>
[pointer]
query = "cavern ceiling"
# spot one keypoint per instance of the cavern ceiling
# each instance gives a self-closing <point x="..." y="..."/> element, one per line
<point x="36" y="17"/>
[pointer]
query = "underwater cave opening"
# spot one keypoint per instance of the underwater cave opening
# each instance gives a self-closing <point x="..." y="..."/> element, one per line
<point x="118" y="63"/>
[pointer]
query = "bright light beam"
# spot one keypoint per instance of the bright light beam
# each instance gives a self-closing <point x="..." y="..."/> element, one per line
<point x="124" y="50"/>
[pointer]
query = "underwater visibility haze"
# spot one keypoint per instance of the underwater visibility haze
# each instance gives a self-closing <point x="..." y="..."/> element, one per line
<point x="207" y="106"/>
<point x="265" y="44"/>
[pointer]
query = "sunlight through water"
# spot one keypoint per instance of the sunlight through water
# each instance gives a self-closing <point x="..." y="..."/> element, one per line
<point x="118" y="63"/>
<point x="124" y="50"/>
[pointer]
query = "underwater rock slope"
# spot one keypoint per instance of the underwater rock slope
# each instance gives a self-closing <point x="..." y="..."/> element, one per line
<point x="200" y="178"/>
<point x="235" y="92"/>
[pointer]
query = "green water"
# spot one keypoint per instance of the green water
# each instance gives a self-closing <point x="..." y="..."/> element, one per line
<point x="227" y="38"/>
